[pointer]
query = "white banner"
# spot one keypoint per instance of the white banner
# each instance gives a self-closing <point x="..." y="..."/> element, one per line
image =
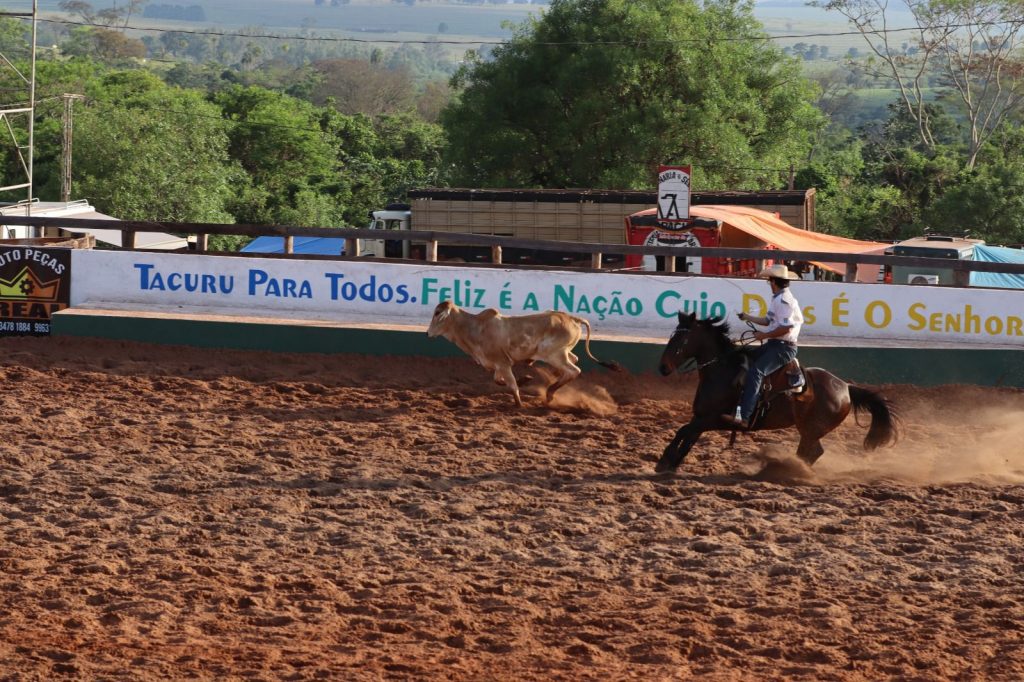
<point x="615" y="303"/>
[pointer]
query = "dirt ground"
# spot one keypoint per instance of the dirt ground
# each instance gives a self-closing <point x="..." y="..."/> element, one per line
<point x="173" y="513"/>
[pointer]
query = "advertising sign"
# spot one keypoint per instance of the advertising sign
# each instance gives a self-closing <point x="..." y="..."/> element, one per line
<point x="635" y="304"/>
<point x="679" y="239"/>
<point x="673" y="196"/>
<point x="35" y="282"/>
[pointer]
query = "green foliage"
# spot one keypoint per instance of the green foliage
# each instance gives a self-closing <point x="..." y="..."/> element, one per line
<point x="227" y="242"/>
<point x="314" y="166"/>
<point x="13" y="37"/>
<point x="284" y="148"/>
<point x="597" y="93"/>
<point x="145" y="151"/>
<point x="881" y="184"/>
<point x="987" y="201"/>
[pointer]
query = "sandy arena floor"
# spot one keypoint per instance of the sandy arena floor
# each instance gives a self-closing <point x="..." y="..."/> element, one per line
<point x="170" y="513"/>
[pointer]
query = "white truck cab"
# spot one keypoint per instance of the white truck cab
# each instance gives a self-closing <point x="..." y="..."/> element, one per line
<point x="392" y="218"/>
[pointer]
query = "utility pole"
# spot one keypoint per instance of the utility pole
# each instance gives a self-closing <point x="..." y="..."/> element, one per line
<point x="65" y="158"/>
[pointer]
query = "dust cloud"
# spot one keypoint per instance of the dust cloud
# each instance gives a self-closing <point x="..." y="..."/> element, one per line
<point x="580" y="395"/>
<point x="974" y="441"/>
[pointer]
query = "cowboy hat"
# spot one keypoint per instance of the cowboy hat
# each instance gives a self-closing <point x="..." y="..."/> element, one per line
<point x="778" y="271"/>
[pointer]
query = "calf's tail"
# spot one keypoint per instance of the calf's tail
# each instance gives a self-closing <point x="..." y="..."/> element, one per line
<point x="883" y="419"/>
<point x="610" y="364"/>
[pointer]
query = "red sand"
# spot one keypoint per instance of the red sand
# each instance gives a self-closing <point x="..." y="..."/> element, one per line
<point x="183" y="513"/>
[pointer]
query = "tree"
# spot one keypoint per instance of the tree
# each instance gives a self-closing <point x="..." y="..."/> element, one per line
<point x="144" y="151"/>
<point x="109" y="17"/>
<point x="973" y="44"/>
<point x="13" y="36"/>
<point x="432" y="100"/>
<point x="115" y="45"/>
<point x="597" y="93"/>
<point x="285" y="147"/>
<point x="988" y="200"/>
<point x="835" y="97"/>
<point x="361" y="87"/>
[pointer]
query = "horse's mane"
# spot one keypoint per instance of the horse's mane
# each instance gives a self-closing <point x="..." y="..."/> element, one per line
<point x="719" y="327"/>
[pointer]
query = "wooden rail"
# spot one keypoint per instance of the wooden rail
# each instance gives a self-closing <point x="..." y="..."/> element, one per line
<point x="497" y="244"/>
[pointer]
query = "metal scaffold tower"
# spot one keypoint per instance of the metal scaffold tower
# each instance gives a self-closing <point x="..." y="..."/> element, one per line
<point x="17" y="113"/>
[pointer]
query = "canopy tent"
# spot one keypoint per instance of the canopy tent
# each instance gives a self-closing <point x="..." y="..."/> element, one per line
<point x="751" y="228"/>
<point x="997" y="280"/>
<point x="81" y="209"/>
<point x="323" y="246"/>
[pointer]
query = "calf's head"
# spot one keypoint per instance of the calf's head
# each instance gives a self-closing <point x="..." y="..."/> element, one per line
<point x="441" y="320"/>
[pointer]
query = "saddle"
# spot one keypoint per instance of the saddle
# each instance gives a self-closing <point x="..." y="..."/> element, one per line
<point x="787" y="379"/>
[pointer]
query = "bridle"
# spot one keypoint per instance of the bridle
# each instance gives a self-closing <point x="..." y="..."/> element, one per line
<point x="746" y="339"/>
<point x="698" y="366"/>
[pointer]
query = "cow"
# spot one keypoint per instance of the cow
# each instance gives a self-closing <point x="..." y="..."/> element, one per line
<point x="497" y="342"/>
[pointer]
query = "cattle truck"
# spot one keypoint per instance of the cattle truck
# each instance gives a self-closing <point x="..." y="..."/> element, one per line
<point x="594" y="216"/>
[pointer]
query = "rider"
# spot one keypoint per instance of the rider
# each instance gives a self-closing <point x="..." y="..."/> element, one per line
<point x="783" y="324"/>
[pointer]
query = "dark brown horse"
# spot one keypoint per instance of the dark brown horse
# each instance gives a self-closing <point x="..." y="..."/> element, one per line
<point x="820" y="408"/>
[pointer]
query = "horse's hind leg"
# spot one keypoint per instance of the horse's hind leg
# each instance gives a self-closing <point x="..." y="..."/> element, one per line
<point x="809" y="450"/>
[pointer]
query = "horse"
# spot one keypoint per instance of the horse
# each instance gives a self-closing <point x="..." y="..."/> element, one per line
<point x="822" y="406"/>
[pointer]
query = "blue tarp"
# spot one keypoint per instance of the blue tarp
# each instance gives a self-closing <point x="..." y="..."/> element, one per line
<point x="999" y="280"/>
<point x="325" y="246"/>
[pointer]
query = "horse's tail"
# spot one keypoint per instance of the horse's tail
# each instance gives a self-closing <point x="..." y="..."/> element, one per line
<point x="883" y="418"/>
<point x="610" y="364"/>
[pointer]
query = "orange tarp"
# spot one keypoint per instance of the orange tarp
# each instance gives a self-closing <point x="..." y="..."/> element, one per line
<point x="751" y="228"/>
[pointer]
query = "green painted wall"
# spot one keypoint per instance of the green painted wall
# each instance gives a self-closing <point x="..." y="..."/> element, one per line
<point x="920" y="366"/>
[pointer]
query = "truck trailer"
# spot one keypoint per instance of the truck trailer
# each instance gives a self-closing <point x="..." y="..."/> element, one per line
<point x="590" y="216"/>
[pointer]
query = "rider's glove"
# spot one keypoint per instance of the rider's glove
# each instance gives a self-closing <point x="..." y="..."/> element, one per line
<point x="742" y="316"/>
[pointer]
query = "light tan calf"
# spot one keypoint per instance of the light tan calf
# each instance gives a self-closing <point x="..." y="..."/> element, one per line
<point x="498" y="342"/>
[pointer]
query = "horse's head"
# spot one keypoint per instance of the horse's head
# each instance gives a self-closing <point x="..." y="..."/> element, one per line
<point x="691" y="339"/>
<point x="680" y="347"/>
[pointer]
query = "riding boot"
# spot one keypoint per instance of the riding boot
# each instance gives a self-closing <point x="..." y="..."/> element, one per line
<point x="736" y="420"/>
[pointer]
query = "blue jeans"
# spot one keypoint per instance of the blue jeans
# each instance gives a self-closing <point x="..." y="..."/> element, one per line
<point x="772" y="355"/>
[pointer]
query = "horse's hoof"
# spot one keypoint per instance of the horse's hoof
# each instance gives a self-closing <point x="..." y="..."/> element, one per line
<point x="661" y="468"/>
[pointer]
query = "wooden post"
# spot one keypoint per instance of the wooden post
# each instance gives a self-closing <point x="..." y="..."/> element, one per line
<point x="202" y="242"/>
<point x="851" y="273"/>
<point x="670" y="263"/>
<point x="496" y="253"/>
<point x="595" y="261"/>
<point x="432" y="251"/>
<point x="962" y="278"/>
<point x="352" y="247"/>
<point x="289" y="244"/>
<point x="127" y="239"/>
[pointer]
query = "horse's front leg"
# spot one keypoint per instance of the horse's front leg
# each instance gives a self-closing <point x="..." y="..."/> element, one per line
<point x="684" y="439"/>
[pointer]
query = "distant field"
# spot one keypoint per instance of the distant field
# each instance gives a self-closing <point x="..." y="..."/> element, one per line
<point x="366" y="17"/>
<point x="396" y="20"/>
<point x="383" y="20"/>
